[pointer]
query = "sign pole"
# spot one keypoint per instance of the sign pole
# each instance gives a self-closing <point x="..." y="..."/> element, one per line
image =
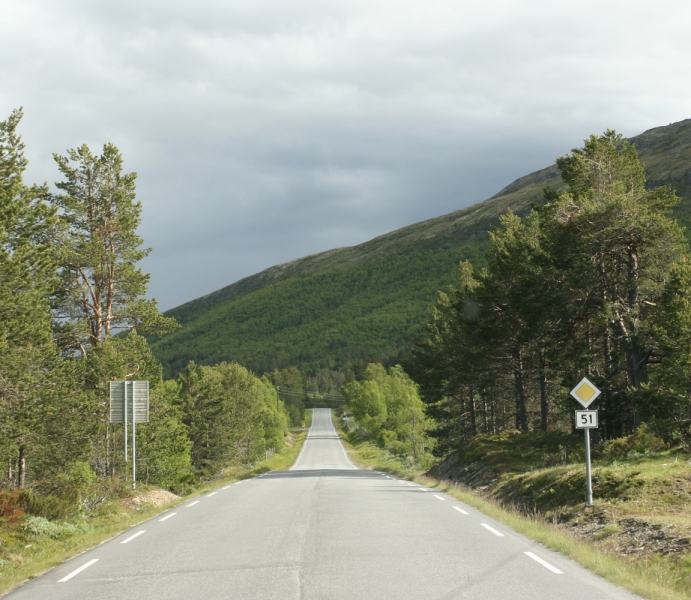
<point x="134" y="455"/>
<point x="586" y="393"/>
<point x="588" y="472"/>
<point x="125" y="422"/>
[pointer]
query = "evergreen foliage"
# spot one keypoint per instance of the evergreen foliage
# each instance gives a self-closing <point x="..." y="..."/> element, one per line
<point x="69" y="281"/>
<point x="591" y="283"/>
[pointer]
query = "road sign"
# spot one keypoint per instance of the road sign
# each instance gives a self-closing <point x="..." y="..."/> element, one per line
<point x="586" y="419"/>
<point x="121" y="411"/>
<point x="585" y="392"/>
<point x="129" y="403"/>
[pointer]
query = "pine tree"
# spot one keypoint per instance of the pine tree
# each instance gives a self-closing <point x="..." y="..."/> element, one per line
<point x="101" y="289"/>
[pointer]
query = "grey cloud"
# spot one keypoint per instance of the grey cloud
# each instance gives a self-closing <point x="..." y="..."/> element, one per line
<point x="264" y="130"/>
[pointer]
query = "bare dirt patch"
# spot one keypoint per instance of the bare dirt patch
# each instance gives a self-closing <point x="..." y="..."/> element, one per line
<point x="155" y="497"/>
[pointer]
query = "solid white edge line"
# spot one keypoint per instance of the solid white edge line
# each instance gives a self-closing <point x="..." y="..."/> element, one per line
<point x="304" y="445"/>
<point x="440" y="498"/>
<point x="544" y="563"/>
<point x="168" y="516"/>
<point x="460" y="510"/>
<point x="79" y="570"/>
<point x="211" y="494"/>
<point x="340" y="443"/>
<point x="129" y="539"/>
<point x="492" y="529"/>
<point x="192" y="504"/>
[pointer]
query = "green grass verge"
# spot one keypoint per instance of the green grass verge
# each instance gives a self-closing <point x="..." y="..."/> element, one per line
<point x="654" y="578"/>
<point x="25" y="556"/>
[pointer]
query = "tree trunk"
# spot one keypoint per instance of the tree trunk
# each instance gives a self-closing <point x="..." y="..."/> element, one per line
<point x="471" y="400"/>
<point x="521" y="411"/>
<point x="22" y="467"/>
<point x="484" y="410"/>
<point x="544" y="402"/>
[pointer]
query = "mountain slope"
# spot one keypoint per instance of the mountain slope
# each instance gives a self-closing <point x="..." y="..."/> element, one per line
<point x="366" y="302"/>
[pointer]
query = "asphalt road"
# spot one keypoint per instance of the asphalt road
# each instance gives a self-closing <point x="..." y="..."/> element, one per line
<point x="323" y="530"/>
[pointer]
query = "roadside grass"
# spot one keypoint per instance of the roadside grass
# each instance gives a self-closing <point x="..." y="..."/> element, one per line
<point x="25" y="555"/>
<point x="655" y="578"/>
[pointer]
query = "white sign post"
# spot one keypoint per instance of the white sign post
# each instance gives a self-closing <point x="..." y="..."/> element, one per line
<point x="586" y="393"/>
<point x="129" y="402"/>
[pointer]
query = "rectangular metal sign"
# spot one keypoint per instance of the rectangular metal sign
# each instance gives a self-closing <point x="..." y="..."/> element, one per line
<point x="137" y="394"/>
<point x="586" y="419"/>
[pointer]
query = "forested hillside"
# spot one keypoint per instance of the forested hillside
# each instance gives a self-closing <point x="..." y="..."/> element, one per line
<point x="365" y="303"/>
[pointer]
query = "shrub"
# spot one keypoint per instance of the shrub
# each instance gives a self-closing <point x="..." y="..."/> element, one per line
<point x="49" y="507"/>
<point x="11" y="506"/>
<point x="633" y="446"/>
<point x="41" y="526"/>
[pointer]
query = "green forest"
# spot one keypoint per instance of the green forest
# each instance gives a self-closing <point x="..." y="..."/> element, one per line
<point x="73" y="318"/>
<point x="594" y="282"/>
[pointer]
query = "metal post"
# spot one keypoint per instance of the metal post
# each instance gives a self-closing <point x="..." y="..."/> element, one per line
<point x="125" y="422"/>
<point x="134" y="450"/>
<point x="587" y="466"/>
<point x="134" y="443"/>
<point x="277" y="390"/>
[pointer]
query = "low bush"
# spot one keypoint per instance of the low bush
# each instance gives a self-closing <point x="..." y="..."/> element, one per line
<point x="40" y="526"/>
<point x="643" y="442"/>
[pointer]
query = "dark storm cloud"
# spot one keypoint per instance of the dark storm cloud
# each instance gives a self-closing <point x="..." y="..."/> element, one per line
<point x="264" y="130"/>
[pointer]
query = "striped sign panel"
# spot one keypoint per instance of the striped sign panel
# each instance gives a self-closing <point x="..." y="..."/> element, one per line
<point x="139" y="390"/>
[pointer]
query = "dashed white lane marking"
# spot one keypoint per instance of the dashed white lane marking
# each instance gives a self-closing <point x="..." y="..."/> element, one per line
<point x="440" y="498"/>
<point x="168" y="516"/>
<point x="225" y="488"/>
<point x="544" y="563"/>
<point x="79" y="570"/>
<point x="129" y="539"/>
<point x="492" y="529"/>
<point x="423" y="489"/>
<point x="211" y="494"/>
<point x="411" y="485"/>
<point x="460" y="510"/>
<point x="192" y="504"/>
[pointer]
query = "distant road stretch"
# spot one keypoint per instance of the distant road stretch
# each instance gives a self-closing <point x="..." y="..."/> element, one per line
<point x="323" y="530"/>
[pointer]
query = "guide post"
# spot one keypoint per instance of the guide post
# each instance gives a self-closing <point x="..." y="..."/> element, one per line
<point x="586" y="393"/>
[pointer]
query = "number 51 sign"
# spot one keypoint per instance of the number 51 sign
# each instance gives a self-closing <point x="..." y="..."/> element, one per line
<point x="586" y="419"/>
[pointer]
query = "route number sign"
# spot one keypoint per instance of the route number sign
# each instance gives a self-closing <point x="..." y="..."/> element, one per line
<point x="586" y="419"/>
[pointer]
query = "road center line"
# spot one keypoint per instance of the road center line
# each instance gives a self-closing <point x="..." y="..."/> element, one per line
<point x="423" y="489"/>
<point x="544" y="563"/>
<point x="460" y="510"/>
<point x="129" y="539"/>
<point x="168" y="516"/>
<point x="411" y="484"/>
<point x="211" y="494"/>
<point x="193" y="503"/>
<point x="492" y="529"/>
<point x="79" y="570"/>
<point x="225" y="488"/>
<point x="440" y="498"/>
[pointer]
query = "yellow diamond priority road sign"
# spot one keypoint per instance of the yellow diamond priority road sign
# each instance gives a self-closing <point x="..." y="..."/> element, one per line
<point x="585" y="392"/>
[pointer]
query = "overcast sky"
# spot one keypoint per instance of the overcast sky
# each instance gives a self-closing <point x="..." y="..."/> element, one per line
<point x="265" y="130"/>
